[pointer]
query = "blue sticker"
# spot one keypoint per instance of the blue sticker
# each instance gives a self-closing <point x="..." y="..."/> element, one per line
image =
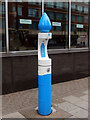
<point x="42" y="49"/>
<point x="49" y="34"/>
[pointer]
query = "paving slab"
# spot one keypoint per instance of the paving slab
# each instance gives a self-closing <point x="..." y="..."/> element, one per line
<point x="70" y="96"/>
<point x="72" y="99"/>
<point x="82" y="104"/>
<point x="79" y="113"/>
<point x="14" y="115"/>
<point x="67" y="106"/>
<point x="79" y="94"/>
<point x="85" y="97"/>
<point x="31" y="113"/>
<point x="73" y="117"/>
<point x="56" y="100"/>
<point x="85" y="92"/>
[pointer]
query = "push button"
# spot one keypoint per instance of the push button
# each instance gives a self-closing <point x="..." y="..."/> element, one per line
<point x="48" y="70"/>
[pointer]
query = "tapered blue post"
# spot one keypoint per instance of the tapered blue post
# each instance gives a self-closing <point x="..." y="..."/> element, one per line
<point x="44" y="67"/>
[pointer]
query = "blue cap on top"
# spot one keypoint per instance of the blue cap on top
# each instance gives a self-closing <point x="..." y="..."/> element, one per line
<point x="44" y="23"/>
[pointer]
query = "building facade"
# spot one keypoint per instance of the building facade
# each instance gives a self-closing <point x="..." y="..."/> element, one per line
<point x="68" y="47"/>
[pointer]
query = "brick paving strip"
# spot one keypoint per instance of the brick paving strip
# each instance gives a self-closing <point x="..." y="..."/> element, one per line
<point x="70" y="99"/>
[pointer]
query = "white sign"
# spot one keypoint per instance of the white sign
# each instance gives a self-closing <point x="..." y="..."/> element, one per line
<point x="79" y="26"/>
<point x="25" y="21"/>
<point x="56" y="23"/>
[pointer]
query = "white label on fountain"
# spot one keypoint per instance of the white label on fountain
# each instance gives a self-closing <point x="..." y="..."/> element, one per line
<point x="56" y="23"/>
<point x="25" y="21"/>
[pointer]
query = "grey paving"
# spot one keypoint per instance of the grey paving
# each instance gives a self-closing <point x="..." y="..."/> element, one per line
<point x="14" y="115"/>
<point x="67" y="106"/>
<point x="84" y="97"/>
<point x="79" y="113"/>
<point x="82" y="104"/>
<point x="70" y="100"/>
<point x="31" y="113"/>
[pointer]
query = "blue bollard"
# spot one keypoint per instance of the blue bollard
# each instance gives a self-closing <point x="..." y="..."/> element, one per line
<point x="44" y="67"/>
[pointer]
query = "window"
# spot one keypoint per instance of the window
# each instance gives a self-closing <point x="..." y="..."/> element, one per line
<point x="73" y="17"/>
<point x="79" y="8"/>
<point x="23" y="28"/>
<point x="79" y="19"/>
<point x="66" y="27"/>
<point x="86" y="19"/>
<point x="24" y="18"/>
<point x="2" y="8"/>
<point x="58" y="15"/>
<point x="73" y="27"/>
<point x="19" y="10"/>
<point x="59" y="5"/>
<point x="66" y="5"/>
<point x="2" y="28"/>
<point x="50" y="4"/>
<point x="33" y="25"/>
<point x="19" y="0"/>
<point x="73" y="7"/>
<point x="13" y="9"/>
<point x="85" y="10"/>
<point x="66" y="17"/>
<point x="51" y="14"/>
<point x="79" y="23"/>
<point x="31" y="2"/>
<point x="32" y="12"/>
<point x="58" y="28"/>
<point x="39" y="2"/>
<point x="79" y="1"/>
<point x="39" y="13"/>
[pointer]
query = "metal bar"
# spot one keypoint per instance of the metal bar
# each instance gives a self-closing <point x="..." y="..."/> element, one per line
<point x="42" y="7"/>
<point x="69" y="24"/>
<point x="7" y="36"/>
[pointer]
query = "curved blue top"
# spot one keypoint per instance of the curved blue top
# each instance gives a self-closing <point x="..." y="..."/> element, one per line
<point x="44" y="23"/>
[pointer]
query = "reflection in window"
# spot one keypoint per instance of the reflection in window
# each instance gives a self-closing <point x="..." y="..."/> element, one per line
<point x="73" y="18"/>
<point x="73" y="7"/>
<point x="79" y="19"/>
<point x="39" y="12"/>
<point x="33" y="25"/>
<point x="19" y="0"/>
<point x="66" y="17"/>
<point x="58" y="28"/>
<point x="85" y="10"/>
<point x="86" y="19"/>
<point x="58" y="13"/>
<point x="19" y="10"/>
<point x="31" y="2"/>
<point x="79" y="8"/>
<point x="79" y="1"/>
<point x="59" y="4"/>
<point x="13" y="8"/>
<point x="79" y="27"/>
<point x="51" y="14"/>
<point x="66" y="5"/>
<point x="66" y="26"/>
<point x="59" y="16"/>
<point x="73" y="27"/>
<point x="2" y="28"/>
<point x="32" y="12"/>
<point x="2" y="8"/>
<point x="23" y="28"/>
<point x="50" y="4"/>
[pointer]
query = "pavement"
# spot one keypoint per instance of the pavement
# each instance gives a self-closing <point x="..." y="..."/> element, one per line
<point x="69" y="99"/>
